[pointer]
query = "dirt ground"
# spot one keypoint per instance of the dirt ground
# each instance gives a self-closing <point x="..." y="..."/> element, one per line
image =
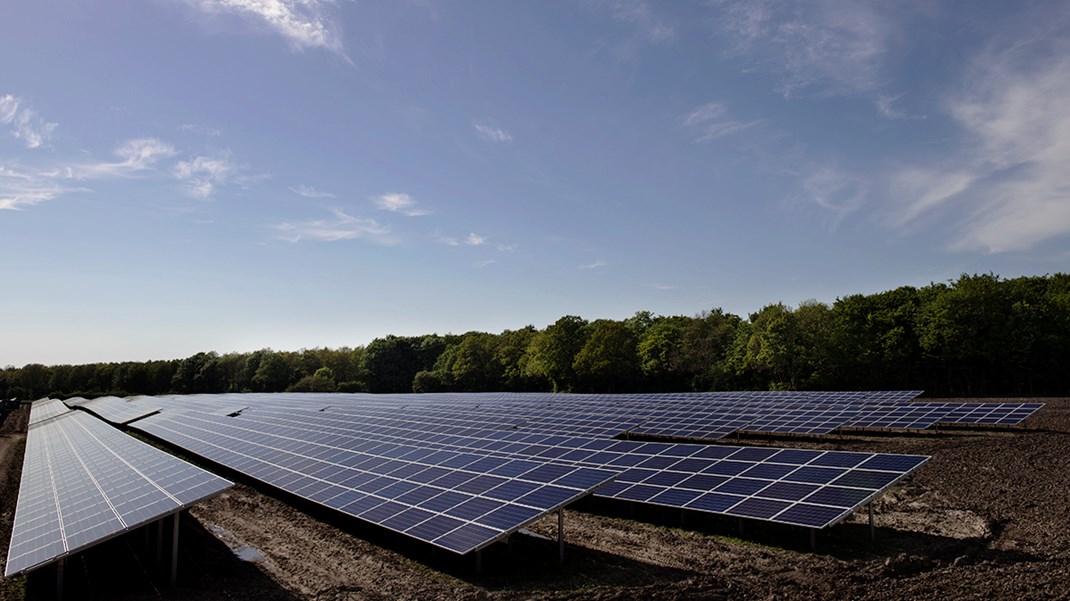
<point x="987" y="518"/>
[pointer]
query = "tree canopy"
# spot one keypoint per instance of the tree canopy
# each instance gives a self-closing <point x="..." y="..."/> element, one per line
<point x="977" y="335"/>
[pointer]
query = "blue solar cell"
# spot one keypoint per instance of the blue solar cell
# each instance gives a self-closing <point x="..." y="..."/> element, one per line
<point x="702" y="482"/>
<point x="547" y="473"/>
<point x="659" y="462"/>
<point x="428" y="475"/>
<point x="814" y="516"/>
<point x="839" y="497"/>
<point x="418" y="495"/>
<point x="814" y="475"/>
<point x="611" y="489"/>
<point x="759" y="508"/>
<point x="898" y="463"/>
<point x="639" y="492"/>
<point x="444" y="501"/>
<point x="866" y="479"/>
<point x="715" y="502"/>
<point x="582" y="479"/>
<point x="665" y="478"/>
<point x="795" y="456"/>
<point x="840" y="459"/>
<point x="381" y="512"/>
<point x="466" y="538"/>
<point x="452" y="479"/>
<point x="508" y="516"/>
<point x="480" y="484"/>
<point x="473" y="508"/>
<point x="753" y="454"/>
<point x="788" y="491"/>
<point x="728" y="468"/>
<point x="742" y="486"/>
<point x="407" y="519"/>
<point x="675" y="497"/>
<point x="547" y="497"/>
<point x="692" y="465"/>
<point x="769" y="471"/>
<point x="511" y="490"/>
<point x="434" y="527"/>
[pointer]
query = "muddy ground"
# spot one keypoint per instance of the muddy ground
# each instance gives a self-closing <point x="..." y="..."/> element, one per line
<point x="987" y="518"/>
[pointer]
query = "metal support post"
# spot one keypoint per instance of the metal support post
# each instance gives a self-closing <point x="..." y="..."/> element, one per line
<point x="174" y="550"/>
<point x="561" y="536"/>
<point x="741" y="526"/>
<point x="813" y="539"/>
<point x="159" y="544"/>
<point x="872" y="529"/>
<point x="60" y="565"/>
<point x="479" y="561"/>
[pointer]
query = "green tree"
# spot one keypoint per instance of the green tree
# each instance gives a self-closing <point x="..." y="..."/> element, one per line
<point x="608" y="361"/>
<point x="554" y="350"/>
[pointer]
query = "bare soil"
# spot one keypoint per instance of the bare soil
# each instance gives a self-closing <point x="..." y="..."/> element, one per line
<point x="987" y="518"/>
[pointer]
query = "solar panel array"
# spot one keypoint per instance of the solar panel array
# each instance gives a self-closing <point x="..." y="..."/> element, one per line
<point x="114" y="409"/>
<point x="462" y="471"/>
<point x="458" y="501"/>
<point x="83" y="481"/>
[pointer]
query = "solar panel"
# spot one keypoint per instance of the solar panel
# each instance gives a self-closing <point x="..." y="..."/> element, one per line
<point x="795" y="486"/>
<point x="84" y="481"/>
<point x="116" y="410"/>
<point x="45" y="409"/>
<point x="455" y="500"/>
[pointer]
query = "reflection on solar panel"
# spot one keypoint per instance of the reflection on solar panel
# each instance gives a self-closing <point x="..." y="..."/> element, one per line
<point x="114" y="409"/>
<point x="84" y="481"/>
<point x="46" y="409"/>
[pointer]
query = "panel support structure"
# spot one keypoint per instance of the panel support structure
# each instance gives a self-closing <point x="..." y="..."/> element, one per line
<point x="561" y="535"/>
<point x="872" y="529"/>
<point x="174" y="549"/>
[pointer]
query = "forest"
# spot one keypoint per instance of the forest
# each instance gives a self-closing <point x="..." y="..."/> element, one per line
<point x="979" y="335"/>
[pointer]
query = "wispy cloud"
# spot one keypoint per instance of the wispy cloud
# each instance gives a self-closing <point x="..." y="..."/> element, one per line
<point x="342" y="226"/>
<point x="474" y="239"/>
<point x="310" y="192"/>
<point x="303" y="23"/>
<point x="706" y="120"/>
<point x="400" y="203"/>
<point x="202" y="174"/>
<point x="826" y="46"/>
<point x="482" y="264"/>
<point x="641" y="16"/>
<point x="25" y="124"/>
<point x="835" y="190"/>
<point x="20" y="188"/>
<point x="491" y="133"/>
<point x="596" y="264"/>
<point x="1009" y="175"/>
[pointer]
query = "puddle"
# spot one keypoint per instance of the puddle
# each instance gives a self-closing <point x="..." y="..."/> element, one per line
<point x="249" y="554"/>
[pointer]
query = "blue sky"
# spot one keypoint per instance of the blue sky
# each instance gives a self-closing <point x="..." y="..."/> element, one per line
<point x="190" y="175"/>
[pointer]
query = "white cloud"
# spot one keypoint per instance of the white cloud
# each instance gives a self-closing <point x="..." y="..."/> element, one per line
<point x="342" y="227"/>
<point x="304" y="23"/>
<point x="829" y="46"/>
<point x="491" y="133"/>
<point x="474" y="239"/>
<point x="705" y="119"/>
<point x="1008" y="181"/>
<point x="26" y="125"/>
<point x="20" y="188"/>
<point x="639" y="14"/>
<point x="310" y="192"/>
<point x="596" y="264"/>
<point x="835" y="191"/>
<point x="482" y="264"/>
<point x="400" y="203"/>
<point x="203" y="174"/>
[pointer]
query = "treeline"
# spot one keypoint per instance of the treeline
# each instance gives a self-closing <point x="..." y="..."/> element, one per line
<point x="978" y="335"/>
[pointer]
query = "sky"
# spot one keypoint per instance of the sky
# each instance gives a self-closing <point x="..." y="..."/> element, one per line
<point x="180" y="176"/>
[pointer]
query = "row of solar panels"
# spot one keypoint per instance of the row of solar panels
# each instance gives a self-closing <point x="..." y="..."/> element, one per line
<point x="462" y="471"/>
<point x="463" y="477"/>
<point x="83" y="481"/>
